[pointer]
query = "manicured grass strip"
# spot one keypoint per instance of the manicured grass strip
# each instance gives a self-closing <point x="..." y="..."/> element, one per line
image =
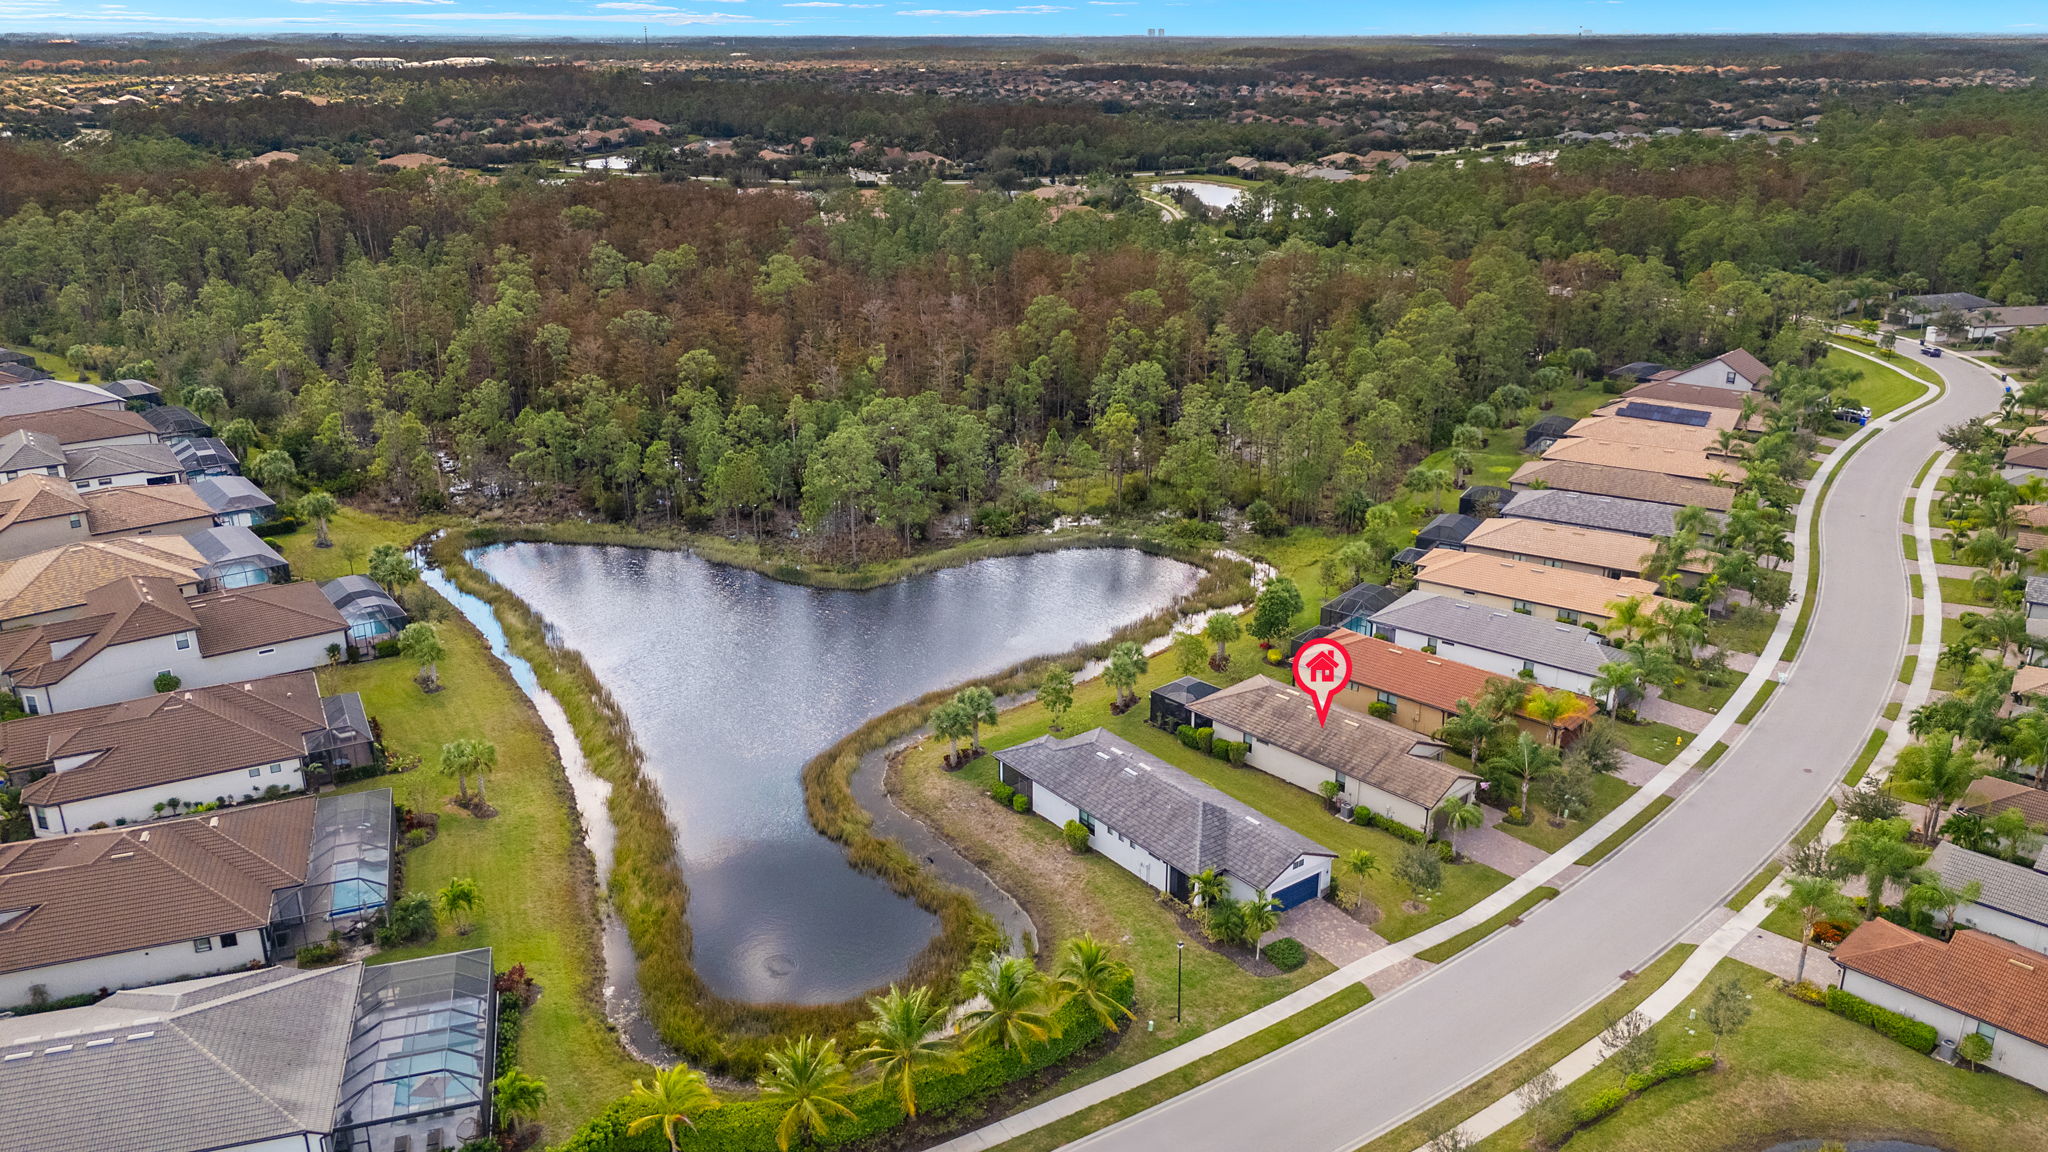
<point x="1502" y="1081"/>
<point x="1920" y="477"/>
<point x="1881" y="388"/>
<point x="1911" y="544"/>
<point x="1818" y="821"/>
<point x="1891" y="710"/>
<point x="1608" y="794"/>
<point x="1606" y="847"/>
<point x="1906" y="669"/>
<point x="1868" y="754"/>
<point x="1958" y="590"/>
<point x="1757" y="703"/>
<point x="1909" y="510"/>
<point x="1757" y="883"/>
<point x="1116" y="1108"/>
<point x="1713" y="754"/>
<point x="1494" y="923"/>
<point x="1920" y="590"/>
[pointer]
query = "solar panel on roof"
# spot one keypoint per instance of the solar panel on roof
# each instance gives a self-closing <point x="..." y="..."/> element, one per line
<point x="1639" y="410"/>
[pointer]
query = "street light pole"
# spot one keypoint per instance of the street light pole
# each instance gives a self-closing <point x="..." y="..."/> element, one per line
<point x="1179" y="946"/>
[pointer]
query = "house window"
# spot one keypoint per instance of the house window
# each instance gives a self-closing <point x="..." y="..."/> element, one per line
<point x="1529" y="666"/>
<point x="1731" y="376"/>
<point x="1386" y="698"/>
<point x="78" y="521"/>
<point x="42" y="820"/>
<point x="1567" y="616"/>
<point x="203" y="944"/>
<point x="227" y="939"/>
<point x="106" y="482"/>
<point x="184" y="642"/>
<point x="256" y="771"/>
<point x="277" y="768"/>
<point x="1523" y="607"/>
<point x="82" y="485"/>
<point x="1086" y="819"/>
<point x="29" y="705"/>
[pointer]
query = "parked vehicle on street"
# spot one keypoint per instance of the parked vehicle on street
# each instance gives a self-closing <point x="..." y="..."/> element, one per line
<point x="1929" y="350"/>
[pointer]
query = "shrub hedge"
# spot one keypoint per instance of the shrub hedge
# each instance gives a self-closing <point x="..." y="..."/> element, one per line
<point x="1912" y="1033"/>
<point x="1601" y="1104"/>
<point x="749" y="1125"/>
<point x="1287" y="953"/>
<point x="1367" y="818"/>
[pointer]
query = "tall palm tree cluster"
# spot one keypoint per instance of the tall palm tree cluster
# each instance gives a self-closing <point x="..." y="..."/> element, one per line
<point x="910" y="1035"/>
<point x="1522" y="765"/>
<point x="1228" y="920"/>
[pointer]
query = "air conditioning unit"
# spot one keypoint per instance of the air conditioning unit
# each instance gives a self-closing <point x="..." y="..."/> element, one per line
<point x="1344" y="810"/>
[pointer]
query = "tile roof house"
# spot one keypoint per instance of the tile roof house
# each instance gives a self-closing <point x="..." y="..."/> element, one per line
<point x="1990" y="795"/>
<point x="1650" y="433"/>
<point x="83" y="427"/>
<point x="1624" y="483"/>
<point x="1161" y="824"/>
<point x="52" y="585"/>
<point x="1706" y="396"/>
<point x="1567" y="546"/>
<point x="234" y="557"/>
<point x="34" y="396"/>
<point x="170" y="899"/>
<point x="2012" y="901"/>
<point x="1378" y="765"/>
<point x="1975" y="982"/>
<point x="1607" y="513"/>
<point x="1671" y="412"/>
<point x="39" y="512"/>
<point x="130" y="631"/>
<point x="1569" y="597"/>
<point x="128" y="761"/>
<point x="1425" y="689"/>
<point x="1734" y="371"/>
<point x="368" y="1057"/>
<point x="1500" y="641"/>
<point x="1689" y="463"/>
<point x="235" y="500"/>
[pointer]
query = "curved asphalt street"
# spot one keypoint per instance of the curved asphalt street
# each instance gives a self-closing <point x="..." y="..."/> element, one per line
<point x="1345" y="1083"/>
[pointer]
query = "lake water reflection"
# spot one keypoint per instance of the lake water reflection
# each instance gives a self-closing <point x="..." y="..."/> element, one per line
<point x="733" y="681"/>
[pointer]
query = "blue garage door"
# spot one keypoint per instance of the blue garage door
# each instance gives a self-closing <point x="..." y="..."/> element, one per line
<point x="1298" y="892"/>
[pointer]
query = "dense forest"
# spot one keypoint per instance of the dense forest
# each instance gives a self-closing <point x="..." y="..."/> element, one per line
<point x="895" y="361"/>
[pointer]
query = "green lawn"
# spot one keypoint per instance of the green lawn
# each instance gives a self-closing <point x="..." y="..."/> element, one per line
<point x="1958" y="590"/>
<point x="354" y="534"/>
<point x="1696" y="692"/>
<point x="58" y="366"/>
<point x="1880" y="388"/>
<point x="1653" y="740"/>
<point x="1494" y="923"/>
<point x="538" y="894"/>
<point x="1503" y="454"/>
<point x="1622" y="834"/>
<point x="1910" y="544"/>
<point x="1944" y="552"/>
<point x="1608" y="793"/>
<point x="1798" y="1071"/>
<point x="1747" y="629"/>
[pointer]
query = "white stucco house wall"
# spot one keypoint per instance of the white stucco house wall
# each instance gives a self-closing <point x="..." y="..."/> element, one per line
<point x="2012" y="901"/>
<point x="1737" y="370"/>
<point x="1506" y="643"/>
<point x="1974" y="982"/>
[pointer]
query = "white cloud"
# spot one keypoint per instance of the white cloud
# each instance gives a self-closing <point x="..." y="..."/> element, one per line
<point x="1026" y="10"/>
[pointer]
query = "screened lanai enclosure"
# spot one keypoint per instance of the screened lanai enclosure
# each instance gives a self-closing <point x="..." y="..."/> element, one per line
<point x="348" y="873"/>
<point x="419" y="1069"/>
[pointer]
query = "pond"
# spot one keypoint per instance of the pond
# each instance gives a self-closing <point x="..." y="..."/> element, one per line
<point x="1211" y="195"/>
<point x="732" y="681"/>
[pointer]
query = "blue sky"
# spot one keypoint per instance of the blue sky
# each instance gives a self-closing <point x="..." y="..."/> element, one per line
<point x="1012" y="17"/>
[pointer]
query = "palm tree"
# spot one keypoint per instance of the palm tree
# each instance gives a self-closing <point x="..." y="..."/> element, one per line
<point x="1936" y="772"/>
<point x="515" y="1095"/>
<point x="1011" y="1010"/>
<point x="1431" y="480"/>
<point x="422" y="644"/>
<point x="1087" y="974"/>
<point x="1222" y="628"/>
<point x="1126" y="663"/>
<point x="979" y="705"/>
<point x="1618" y="682"/>
<point x="677" y="1095"/>
<point x="1458" y="812"/>
<point x="809" y="1080"/>
<point x="1470" y="725"/>
<point x="1684" y="628"/>
<point x="904" y="1036"/>
<point x="951" y="723"/>
<point x="1628" y="618"/>
<point x="460" y="898"/>
<point x="319" y="506"/>
<point x="1502" y="697"/>
<point x="1932" y="894"/>
<point x="1816" y="899"/>
<point x="1527" y="760"/>
<point x="1261" y="915"/>
<point x="1549" y="707"/>
<point x="1208" y="886"/>
<point x="1877" y="851"/>
<point x="1359" y="863"/>
<point x="466" y="757"/>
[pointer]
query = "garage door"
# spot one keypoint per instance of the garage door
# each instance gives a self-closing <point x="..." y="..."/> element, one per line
<point x="1299" y="892"/>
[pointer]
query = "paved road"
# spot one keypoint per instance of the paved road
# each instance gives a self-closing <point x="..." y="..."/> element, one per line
<point x="1346" y="1083"/>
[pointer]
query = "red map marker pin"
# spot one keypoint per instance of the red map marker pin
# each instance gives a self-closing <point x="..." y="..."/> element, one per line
<point x="1322" y="668"/>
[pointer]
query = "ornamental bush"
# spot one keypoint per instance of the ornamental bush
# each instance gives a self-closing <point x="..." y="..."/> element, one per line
<point x="1598" y="1106"/>
<point x="1671" y="1069"/>
<point x="1021" y="803"/>
<point x="1380" y="710"/>
<point x="1076" y="834"/>
<point x="1205" y="739"/>
<point x="1186" y="732"/>
<point x="1912" y="1033"/>
<point x="1367" y="818"/>
<point x="1002" y="793"/>
<point x="1287" y="953"/>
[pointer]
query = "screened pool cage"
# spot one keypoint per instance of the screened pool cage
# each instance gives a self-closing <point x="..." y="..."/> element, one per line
<point x="419" y="1066"/>
<point x="348" y="875"/>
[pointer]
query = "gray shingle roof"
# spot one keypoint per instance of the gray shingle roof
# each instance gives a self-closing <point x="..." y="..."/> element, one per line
<point x="231" y="494"/>
<point x="120" y="460"/>
<point x="224" y="1061"/>
<point x="1162" y="809"/>
<point x="230" y="543"/>
<point x="21" y="450"/>
<point x="1635" y="517"/>
<point x="1386" y="756"/>
<point x="1566" y="646"/>
<point x="2037" y="589"/>
<point x="1935" y="302"/>
<point x="2009" y="888"/>
<point x="51" y="395"/>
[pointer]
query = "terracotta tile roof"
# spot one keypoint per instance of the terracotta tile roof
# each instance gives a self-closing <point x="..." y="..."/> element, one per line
<point x="1538" y="584"/>
<point x="1385" y="756"/>
<point x="81" y="425"/>
<point x="1514" y="534"/>
<point x="1977" y="974"/>
<point x="98" y="893"/>
<point x="261" y="614"/>
<point x="1626" y="483"/>
<point x="1652" y="433"/>
<point x="1706" y="396"/>
<point x="141" y="607"/>
<point x="1746" y="366"/>
<point x="142" y="506"/>
<point x="36" y="497"/>
<point x="59" y="578"/>
<point x="2027" y="456"/>
<point x="1990" y="795"/>
<point x="1693" y="464"/>
<point x="1413" y="674"/>
<point x="1717" y="418"/>
<point x="166" y="738"/>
